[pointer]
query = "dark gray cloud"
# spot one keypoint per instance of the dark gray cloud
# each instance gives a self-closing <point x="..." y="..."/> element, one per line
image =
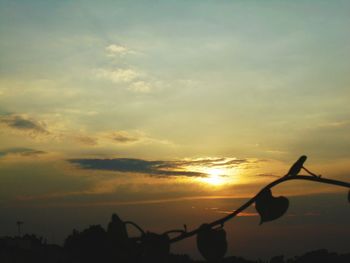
<point x="155" y="168"/>
<point x="20" y="151"/>
<point x="22" y="123"/>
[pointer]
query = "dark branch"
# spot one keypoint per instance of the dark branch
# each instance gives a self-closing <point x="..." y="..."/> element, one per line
<point x="221" y="221"/>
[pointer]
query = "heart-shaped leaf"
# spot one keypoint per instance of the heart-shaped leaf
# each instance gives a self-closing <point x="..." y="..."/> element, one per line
<point x="155" y="247"/>
<point x="270" y="207"/>
<point x="211" y="243"/>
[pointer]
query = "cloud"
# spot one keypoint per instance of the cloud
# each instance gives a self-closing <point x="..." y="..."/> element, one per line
<point x="207" y="162"/>
<point x="86" y="140"/>
<point x="268" y="175"/>
<point x="123" y="137"/>
<point x="131" y="77"/>
<point x="21" y="123"/>
<point x="242" y="214"/>
<point x="156" y="168"/>
<point x="117" y="50"/>
<point x="134" y="79"/>
<point x="132" y="166"/>
<point x="129" y="138"/>
<point x="53" y="130"/>
<point x="117" y="75"/>
<point x="20" y="151"/>
<point x="140" y="86"/>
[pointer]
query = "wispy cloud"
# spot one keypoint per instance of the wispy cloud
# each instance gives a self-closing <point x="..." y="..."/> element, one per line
<point x="135" y="80"/>
<point x="208" y="162"/>
<point x="128" y="165"/>
<point x="20" y="151"/>
<point x="124" y="137"/>
<point x="156" y="168"/>
<point x="268" y="175"/>
<point x="118" y="75"/>
<point x="54" y="131"/>
<point x="117" y="50"/>
<point x="140" y="86"/>
<point x="22" y="123"/>
<point x="335" y="124"/>
<point x="129" y="137"/>
<point x="242" y="214"/>
<point x="86" y="140"/>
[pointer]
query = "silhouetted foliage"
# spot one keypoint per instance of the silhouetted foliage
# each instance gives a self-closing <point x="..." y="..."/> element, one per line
<point x="29" y="249"/>
<point x="321" y="256"/>
<point x="90" y="245"/>
<point x="154" y="247"/>
<point x="117" y="231"/>
<point x="270" y="207"/>
<point x="277" y="259"/>
<point x="211" y="242"/>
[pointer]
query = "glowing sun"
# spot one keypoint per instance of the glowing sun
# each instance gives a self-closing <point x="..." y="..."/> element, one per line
<point x="215" y="177"/>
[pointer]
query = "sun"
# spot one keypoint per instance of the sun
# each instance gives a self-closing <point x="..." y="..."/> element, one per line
<point x="215" y="171"/>
<point x="215" y="177"/>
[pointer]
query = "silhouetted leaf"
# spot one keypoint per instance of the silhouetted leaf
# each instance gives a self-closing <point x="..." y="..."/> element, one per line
<point x="155" y="247"/>
<point x="270" y="207"/>
<point x="211" y="242"/>
<point x="349" y="196"/>
<point x="296" y="167"/>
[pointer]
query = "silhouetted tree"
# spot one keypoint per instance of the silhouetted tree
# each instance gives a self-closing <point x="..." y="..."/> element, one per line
<point x="277" y="259"/>
<point x="90" y="245"/>
<point x="154" y="248"/>
<point x="117" y="231"/>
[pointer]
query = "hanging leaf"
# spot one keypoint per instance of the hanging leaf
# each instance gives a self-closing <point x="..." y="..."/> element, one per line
<point x="270" y="207"/>
<point x="211" y="243"/>
<point x="296" y="167"/>
<point x="155" y="247"/>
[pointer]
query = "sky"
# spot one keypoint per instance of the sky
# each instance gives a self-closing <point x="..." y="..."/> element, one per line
<point x="172" y="112"/>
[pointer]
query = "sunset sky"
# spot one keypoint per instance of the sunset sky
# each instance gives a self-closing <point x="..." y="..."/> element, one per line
<point x="172" y="112"/>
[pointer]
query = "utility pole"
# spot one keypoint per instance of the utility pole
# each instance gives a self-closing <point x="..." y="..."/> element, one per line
<point x="19" y="223"/>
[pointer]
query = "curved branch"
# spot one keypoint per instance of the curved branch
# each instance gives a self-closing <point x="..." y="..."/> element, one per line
<point x="221" y="221"/>
<point x="136" y="226"/>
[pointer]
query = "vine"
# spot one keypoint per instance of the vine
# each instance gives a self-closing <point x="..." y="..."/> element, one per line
<point x="211" y="237"/>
